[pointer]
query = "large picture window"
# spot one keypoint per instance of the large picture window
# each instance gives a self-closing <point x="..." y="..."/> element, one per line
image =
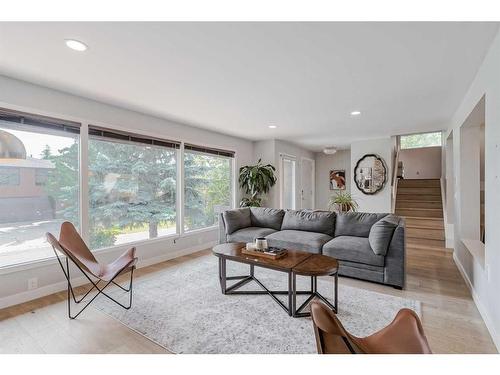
<point x="130" y="185"/>
<point x="132" y="188"/>
<point x="207" y="186"/>
<point x="39" y="185"/>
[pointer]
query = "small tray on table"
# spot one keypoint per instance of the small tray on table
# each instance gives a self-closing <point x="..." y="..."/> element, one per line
<point x="271" y="253"/>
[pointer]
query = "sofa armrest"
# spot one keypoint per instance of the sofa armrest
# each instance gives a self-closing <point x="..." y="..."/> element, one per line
<point x="222" y="229"/>
<point x="395" y="259"/>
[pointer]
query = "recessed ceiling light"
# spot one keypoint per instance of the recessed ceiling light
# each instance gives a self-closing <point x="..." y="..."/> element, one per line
<point x="272" y="126"/>
<point x="329" y="150"/>
<point x="76" y="45"/>
<point x="355" y="113"/>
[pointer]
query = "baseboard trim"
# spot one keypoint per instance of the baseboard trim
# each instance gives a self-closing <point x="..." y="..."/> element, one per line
<point x="46" y="290"/>
<point x="175" y="254"/>
<point x="482" y="310"/>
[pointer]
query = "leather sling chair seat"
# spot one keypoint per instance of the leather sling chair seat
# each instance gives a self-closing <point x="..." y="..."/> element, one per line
<point x="74" y="248"/>
<point x="404" y="335"/>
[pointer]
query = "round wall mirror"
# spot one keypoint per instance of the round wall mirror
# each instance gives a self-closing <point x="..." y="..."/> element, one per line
<point x="370" y="174"/>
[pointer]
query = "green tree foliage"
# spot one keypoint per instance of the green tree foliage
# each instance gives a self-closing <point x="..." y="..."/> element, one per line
<point x="129" y="186"/>
<point x="133" y="186"/>
<point x="62" y="182"/>
<point x="421" y="140"/>
<point x="207" y="185"/>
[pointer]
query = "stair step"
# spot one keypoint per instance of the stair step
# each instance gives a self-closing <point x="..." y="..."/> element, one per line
<point x="419" y="190"/>
<point x="420" y="212"/>
<point x="427" y="233"/>
<point x="418" y="197"/>
<point x="402" y="203"/>
<point x="420" y="183"/>
<point x="421" y="242"/>
<point x="424" y="222"/>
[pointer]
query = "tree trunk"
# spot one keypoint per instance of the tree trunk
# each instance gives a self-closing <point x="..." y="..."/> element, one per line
<point x="153" y="229"/>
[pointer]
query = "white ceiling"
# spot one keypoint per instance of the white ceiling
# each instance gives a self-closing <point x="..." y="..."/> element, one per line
<point x="238" y="78"/>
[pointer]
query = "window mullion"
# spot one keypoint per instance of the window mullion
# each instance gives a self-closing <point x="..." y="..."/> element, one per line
<point x="180" y="196"/>
<point x="84" y="182"/>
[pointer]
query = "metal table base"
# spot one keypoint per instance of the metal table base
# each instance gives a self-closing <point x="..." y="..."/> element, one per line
<point x="292" y="291"/>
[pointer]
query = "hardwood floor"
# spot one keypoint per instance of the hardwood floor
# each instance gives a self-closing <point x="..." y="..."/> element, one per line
<point x="451" y="321"/>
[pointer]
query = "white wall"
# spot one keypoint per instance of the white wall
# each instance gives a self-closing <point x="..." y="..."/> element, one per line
<point x="422" y="162"/>
<point x="381" y="201"/>
<point x="324" y="164"/>
<point x="449" y="196"/>
<point x="484" y="281"/>
<point x="27" y="97"/>
<point x="270" y="151"/>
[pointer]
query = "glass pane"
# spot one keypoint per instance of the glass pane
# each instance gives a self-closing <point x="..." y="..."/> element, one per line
<point x="10" y="176"/>
<point x="289" y="184"/>
<point x="37" y="192"/>
<point x="421" y="140"/>
<point x="132" y="190"/>
<point x="208" y="189"/>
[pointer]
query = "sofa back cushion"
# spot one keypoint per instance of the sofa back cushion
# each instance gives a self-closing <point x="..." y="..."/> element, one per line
<point x="236" y="219"/>
<point x="309" y="221"/>
<point x="266" y="217"/>
<point x="356" y="224"/>
<point x="381" y="234"/>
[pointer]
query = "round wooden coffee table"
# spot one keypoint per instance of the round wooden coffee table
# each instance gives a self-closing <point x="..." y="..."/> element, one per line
<point x="314" y="266"/>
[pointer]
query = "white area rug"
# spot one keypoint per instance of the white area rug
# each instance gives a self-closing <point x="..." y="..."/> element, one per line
<point x="183" y="309"/>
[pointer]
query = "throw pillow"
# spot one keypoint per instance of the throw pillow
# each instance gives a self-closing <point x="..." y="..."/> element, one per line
<point x="236" y="219"/>
<point x="381" y="234"/>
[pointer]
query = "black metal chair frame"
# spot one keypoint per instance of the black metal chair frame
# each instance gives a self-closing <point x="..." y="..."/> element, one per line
<point x="71" y="292"/>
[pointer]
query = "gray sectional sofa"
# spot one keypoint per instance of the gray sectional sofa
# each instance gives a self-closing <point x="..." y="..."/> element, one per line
<point x="368" y="246"/>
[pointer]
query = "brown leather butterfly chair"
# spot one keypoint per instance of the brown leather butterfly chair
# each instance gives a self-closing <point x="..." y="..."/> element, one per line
<point x="403" y="336"/>
<point x="72" y="246"/>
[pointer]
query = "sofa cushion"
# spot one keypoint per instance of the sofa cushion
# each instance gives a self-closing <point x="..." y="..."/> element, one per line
<point x="310" y="221"/>
<point x="249" y="234"/>
<point x="381" y="234"/>
<point x="298" y="240"/>
<point x="236" y="219"/>
<point x="356" y="224"/>
<point x="353" y="249"/>
<point x="266" y="217"/>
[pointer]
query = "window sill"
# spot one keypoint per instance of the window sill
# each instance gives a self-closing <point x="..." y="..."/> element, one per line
<point x="200" y="230"/>
<point x="122" y="247"/>
<point x="476" y="249"/>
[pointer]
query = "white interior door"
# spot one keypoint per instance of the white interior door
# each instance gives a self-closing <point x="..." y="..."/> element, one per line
<point x="287" y="173"/>
<point x="307" y="184"/>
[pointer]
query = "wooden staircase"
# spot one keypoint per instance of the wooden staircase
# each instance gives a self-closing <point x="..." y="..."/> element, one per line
<point x="419" y="201"/>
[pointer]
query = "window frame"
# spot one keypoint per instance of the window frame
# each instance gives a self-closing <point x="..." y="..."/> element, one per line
<point x="232" y="176"/>
<point x="416" y="134"/>
<point x="83" y="193"/>
<point x="31" y="121"/>
<point x="43" y="174"/>
<point x="163" y="143"/>
<point x="17" y="171"/>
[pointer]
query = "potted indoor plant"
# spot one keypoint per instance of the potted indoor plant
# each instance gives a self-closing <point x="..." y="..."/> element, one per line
<point x="256" y="180"/>
<point x="343" y="202"/>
